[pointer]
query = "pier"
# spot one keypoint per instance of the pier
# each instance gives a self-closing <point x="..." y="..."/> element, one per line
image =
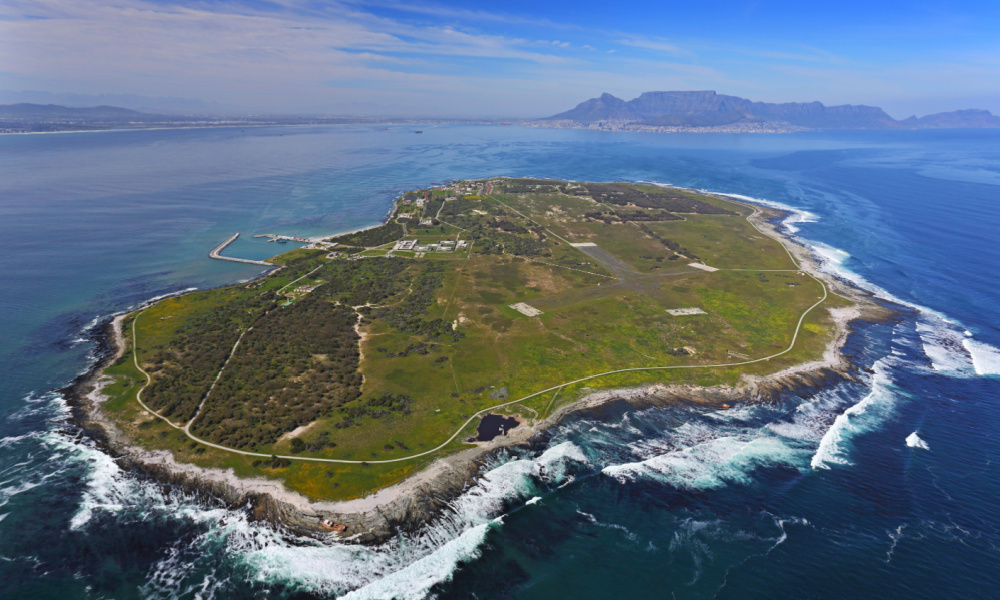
<point x="273" y="237"/>
<point x="215" y="254"/>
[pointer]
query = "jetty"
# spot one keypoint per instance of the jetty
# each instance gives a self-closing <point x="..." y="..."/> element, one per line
<point x="216" y="254"/>
<point x="273" y="237"/>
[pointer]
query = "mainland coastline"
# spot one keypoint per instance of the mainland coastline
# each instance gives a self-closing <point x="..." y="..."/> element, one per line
<point x="419" y="499"/>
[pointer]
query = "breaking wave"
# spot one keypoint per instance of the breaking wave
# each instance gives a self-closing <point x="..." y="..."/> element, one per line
<point x="718" y="449"/>
<point x="859" y="418"/>
<point x="948" y="345"/>
<point x="914" y="441"/>
<point x="985" y="358"/>
<point x="701" y="451"/>
<point x="406" y="568"/>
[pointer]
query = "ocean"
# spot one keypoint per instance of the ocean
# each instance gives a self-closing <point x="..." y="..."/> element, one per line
<point x="884" y="486"/>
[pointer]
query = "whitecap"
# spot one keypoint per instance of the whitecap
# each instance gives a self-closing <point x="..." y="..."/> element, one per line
<point x="914" y="441"/>
<point x="945" y="347"/>
<point x="711" y="463"/>
<point x="149" y="301"/>
<point x="415" y="581"/>
<point x="985" y="358"/>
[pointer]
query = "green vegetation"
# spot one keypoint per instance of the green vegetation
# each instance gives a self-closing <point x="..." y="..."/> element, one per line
<point x="384" y="355"/>
<point x="680" y="201"/>
<point x="369" y="238"/>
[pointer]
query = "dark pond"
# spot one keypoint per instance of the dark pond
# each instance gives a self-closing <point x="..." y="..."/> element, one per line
<point x="494" y="425"/>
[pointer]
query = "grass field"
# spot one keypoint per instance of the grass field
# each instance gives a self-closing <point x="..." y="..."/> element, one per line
<point x="604" y="307"/>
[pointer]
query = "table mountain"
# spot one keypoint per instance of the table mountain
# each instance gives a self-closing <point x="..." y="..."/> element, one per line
<point x="707" y="108"/>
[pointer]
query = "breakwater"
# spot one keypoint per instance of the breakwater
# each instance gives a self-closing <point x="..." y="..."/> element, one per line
<point x="216" y="253"/>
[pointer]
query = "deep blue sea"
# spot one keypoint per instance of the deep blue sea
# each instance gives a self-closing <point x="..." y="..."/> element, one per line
<point x="884" y="487"/>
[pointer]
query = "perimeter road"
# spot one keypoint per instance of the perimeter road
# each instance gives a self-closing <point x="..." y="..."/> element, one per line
<point x="795" y="336"/>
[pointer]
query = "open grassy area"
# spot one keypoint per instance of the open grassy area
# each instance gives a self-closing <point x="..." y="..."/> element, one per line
<point x="386" y="353"/>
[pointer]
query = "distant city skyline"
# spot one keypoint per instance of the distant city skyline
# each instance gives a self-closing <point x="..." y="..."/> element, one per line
<point x="523" y="60"/>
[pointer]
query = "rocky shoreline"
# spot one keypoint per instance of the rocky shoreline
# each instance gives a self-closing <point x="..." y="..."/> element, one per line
<point x="408" y="506"/>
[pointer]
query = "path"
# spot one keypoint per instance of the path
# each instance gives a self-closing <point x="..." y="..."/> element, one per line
<point x="187" y="427"/>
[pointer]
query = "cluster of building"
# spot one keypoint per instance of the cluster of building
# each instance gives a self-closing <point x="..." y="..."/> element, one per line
<point x="633" y="126"/>
<point x="444" y="246"/>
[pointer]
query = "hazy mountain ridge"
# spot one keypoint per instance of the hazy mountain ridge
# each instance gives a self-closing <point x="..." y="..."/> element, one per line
<point x="972" y="117"/>
<point x="25" y="110"/>
<point x="707" y="108"/>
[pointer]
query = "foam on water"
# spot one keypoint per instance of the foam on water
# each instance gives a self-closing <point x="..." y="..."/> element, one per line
<point x="947" y="344"/>
<point x="985" y="358"/>
<point x="726" y="447"/>
<point x="795" y="216"/>
<point x="859" y="418"/>
<point x="913" y="441"/>
<point x="415" y="580"/>
<point x="708" y="451"/>
<point x="713" y="462"/>
<point x="723" y="448"/>
<point x="407" y="567"/>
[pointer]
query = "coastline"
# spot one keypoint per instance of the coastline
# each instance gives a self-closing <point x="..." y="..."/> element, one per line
<point x="417" y="500"/>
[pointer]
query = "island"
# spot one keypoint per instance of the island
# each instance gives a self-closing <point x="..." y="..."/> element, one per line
<point x="359" y="384"/>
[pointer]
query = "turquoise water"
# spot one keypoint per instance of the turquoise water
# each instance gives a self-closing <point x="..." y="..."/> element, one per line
<point x="883" y="486"/>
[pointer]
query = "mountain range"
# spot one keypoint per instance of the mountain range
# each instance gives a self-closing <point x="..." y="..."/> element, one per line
<point x="54" y="111"/>
<point x="707" y="109"/>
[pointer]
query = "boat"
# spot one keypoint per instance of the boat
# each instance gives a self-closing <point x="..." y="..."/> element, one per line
<point x="418" y="131"/>
<point x="333" y="526"/>
<point x="282" y="241"/>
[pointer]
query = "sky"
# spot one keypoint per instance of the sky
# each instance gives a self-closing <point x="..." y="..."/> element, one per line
<point x="516" y="58"/>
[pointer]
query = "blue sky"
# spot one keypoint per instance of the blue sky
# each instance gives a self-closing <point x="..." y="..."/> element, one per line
<point x="516" y="58"/>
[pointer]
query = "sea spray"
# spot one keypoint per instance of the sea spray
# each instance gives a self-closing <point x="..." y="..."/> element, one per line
<point x="406" y="567"/>
<point x="913" y="441"/>
<point x="715" y="449"/>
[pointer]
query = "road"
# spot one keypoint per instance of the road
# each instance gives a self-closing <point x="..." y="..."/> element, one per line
<point x="185" y="428"/>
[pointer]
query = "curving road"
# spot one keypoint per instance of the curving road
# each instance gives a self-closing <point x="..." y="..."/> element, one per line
<point x="185" y="427"/>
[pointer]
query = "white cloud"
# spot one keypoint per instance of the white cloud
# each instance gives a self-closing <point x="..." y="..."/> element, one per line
<point x="654" y="44"/>
<point x="270" y="59"/>
<point x="300" y="55"/>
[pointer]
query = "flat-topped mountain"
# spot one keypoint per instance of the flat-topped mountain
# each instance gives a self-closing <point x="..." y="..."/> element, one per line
<point x="707" y="108"/>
